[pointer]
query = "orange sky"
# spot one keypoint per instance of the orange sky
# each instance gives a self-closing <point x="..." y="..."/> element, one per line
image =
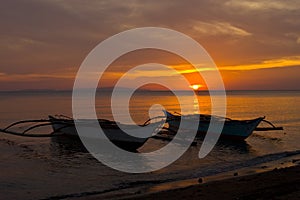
<point x="255" y="44"/>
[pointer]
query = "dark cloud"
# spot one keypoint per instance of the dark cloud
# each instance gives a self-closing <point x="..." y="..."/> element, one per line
<point x="45" y="36"/>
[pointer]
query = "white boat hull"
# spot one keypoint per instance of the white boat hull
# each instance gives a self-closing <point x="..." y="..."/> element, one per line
<point x="234" y="129"/>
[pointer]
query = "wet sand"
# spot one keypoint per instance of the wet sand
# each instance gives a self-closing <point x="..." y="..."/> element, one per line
<point x="276" y="184"/>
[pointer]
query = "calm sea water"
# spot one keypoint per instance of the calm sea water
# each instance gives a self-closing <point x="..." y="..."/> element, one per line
<point x="45" y="167"/>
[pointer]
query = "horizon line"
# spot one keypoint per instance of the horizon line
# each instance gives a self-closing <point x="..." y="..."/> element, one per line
<point x="143" y="90"/>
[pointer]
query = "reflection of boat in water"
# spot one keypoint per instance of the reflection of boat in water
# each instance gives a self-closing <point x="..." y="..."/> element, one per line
<point x="232" y="129"/>
<point x="240" y="147"/>
<point x="67" y="145"/>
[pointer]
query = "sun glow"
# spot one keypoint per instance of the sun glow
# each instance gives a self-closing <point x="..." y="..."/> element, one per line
<point x="196" y="86"/>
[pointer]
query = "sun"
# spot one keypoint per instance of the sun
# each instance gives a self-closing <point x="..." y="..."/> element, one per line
<point x="196" y="86"/>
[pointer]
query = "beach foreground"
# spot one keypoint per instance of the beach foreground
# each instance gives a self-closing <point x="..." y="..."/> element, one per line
<point x="276" y="184"/>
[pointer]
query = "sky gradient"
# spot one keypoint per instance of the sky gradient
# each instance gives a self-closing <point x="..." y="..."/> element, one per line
<point x="255" y="44"/>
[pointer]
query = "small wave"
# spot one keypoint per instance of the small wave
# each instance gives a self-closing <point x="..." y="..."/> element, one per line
<point x="247" y="163"/>
<point x="7" y="141"/>
<point x="267" y="137"/>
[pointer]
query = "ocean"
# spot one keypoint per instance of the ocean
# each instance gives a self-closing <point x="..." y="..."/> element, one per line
<point x="43" y="168"/>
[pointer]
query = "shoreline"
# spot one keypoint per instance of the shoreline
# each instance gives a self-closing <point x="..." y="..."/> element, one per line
<point x="244" y="183"/>
<point x="276" y="184"/>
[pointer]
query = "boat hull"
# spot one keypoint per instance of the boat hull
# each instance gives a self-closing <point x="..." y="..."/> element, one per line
<point x="113" y="133"/>
<point x="232" y="129"/>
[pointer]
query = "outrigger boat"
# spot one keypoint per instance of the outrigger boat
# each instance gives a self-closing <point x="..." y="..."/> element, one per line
<point x="111" y="129"/>
<point x="65" y="126"/>
<point x="232" y="129"/>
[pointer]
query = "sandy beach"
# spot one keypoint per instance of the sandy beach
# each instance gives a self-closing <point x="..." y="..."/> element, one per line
<point x="276" y="184"/>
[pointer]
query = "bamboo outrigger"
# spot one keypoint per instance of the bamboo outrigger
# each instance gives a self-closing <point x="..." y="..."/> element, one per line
<point x="62" y="125"/>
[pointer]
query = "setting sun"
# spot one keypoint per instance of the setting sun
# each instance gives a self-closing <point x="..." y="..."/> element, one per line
<point x="196" y="86"/>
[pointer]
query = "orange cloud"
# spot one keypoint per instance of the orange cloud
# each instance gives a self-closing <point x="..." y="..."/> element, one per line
<point x="219" y="28"/>
<point x="274" y="63"/>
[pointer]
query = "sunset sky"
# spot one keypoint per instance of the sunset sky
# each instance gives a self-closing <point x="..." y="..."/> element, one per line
<point x="255" y="44"/>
